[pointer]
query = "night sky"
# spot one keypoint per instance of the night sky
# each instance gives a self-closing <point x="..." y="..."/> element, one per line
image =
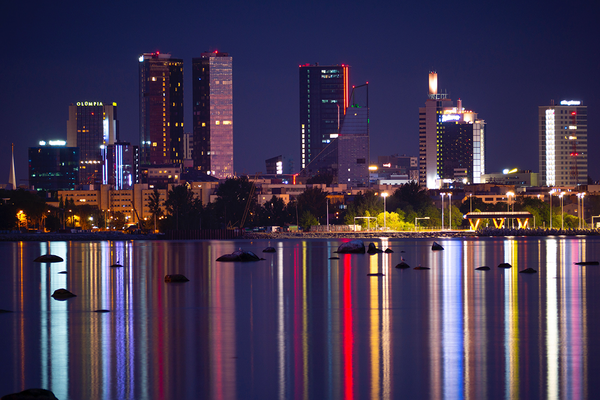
<point x="503" y="59"/>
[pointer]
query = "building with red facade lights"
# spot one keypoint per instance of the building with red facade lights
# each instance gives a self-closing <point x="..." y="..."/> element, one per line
<point x="324" y="98"/>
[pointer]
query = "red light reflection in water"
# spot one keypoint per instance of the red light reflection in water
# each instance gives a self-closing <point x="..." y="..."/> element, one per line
<point x="348" y="336"/>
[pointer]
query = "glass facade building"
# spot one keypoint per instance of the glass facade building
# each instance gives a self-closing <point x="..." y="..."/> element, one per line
<point x="212" y="85"/>
<point x="53" y="167"/>
<point x="92" y="126"/>
<point x="161" y="109"/>
<point x="324" y="98"/>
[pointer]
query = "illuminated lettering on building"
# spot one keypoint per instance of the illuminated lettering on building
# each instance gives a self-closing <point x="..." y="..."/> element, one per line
<point x="450" y="117"/>
<point x="89" y="103"/>
<point x="570" y="103"/>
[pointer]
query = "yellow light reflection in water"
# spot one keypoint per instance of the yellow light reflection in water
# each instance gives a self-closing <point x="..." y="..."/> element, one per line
<point x="511" y="320"/>
<point x="386" y="290"/>
<point x="304" y="323"/>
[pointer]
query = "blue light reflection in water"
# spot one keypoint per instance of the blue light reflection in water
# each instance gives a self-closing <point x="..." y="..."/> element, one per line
<point x="301" y="325"/>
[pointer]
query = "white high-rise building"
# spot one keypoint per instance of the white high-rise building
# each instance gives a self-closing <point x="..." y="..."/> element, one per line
<point x="563" y="144"/>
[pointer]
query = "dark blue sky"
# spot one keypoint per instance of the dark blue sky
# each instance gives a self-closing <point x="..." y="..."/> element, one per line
<point x="503" y="59"/>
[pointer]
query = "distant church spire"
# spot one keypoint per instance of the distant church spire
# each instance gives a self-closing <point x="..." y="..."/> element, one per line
<point x="12" y="179"/>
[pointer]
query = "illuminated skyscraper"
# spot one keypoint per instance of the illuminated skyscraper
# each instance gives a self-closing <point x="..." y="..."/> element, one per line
<point x="92" y="126"/>
<point x="563" y="144"/>
<point x="324" y="98"/>
<point x="451" y="141"/>
<point x="212" y="86"/>
<point x="53" y="166"/>
<point x="161" y="109"/>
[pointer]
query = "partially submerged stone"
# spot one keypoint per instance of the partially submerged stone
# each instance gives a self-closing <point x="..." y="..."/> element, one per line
<point x="31" y="394"/>
<point x="436" y="246"/>
<point x="484" y="268"/>
<point x="4" y="311"/>
<point x="373" y="249"/>
<point x="388" y="250"/>
<point x="504" y="265"/>
<point x="240" y="255"/>
<point x="402" y="265"/>
<point x="352" y="247"/>
<point x="376" y="274"/>
<point x="116" y="266"/>
<point x="334" y="258"/>
<point x="101" y="311"/>
<point x="176" y="278"/>
<point x="62" y="272"/>
<point x="422" y="268"/>
<point x="269" y="250"/>
<point x="587" y="263"/>
<point x="62" y="294"/>
<point x="528" y="271"/>
<point x="48" y="258"/>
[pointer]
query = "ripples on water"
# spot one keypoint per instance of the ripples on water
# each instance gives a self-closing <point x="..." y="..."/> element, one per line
<point x="299" y="325"/>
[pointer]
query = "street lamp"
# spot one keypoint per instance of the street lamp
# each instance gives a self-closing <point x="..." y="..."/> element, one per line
<point x="384" y="195"/>
<point x="562" y="216"/>
<point x="508" y="196"/>
<point x="552" y="191"/>
<point x="450" y="208"/>
<point x="416" y="219"/>
<point x="442" y="194"/>
<point x="471" y="202"/>
<point x="581" y="215"/>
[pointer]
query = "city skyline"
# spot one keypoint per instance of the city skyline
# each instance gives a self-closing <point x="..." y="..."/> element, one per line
<point x="504" y="63"/>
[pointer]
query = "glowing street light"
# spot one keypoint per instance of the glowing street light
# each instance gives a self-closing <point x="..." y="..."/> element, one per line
<point x="508" y="196"/>
<point x="384" y="195"/>
<point x="562" y="217"/>
<point x="442" y="194"/>
<point x="450" y="207"/>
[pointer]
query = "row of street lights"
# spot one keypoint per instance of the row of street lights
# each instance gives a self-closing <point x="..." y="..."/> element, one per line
<point x="580" y="208"/>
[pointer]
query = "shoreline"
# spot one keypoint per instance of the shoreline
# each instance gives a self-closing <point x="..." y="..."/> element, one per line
<point x="101" y="236"/>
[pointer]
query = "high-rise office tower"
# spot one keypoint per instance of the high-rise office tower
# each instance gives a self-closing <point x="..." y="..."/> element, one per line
<point x="92" y="126"/>
<point x="212" y="87"/>
<point x="324" y="98"/>
<point x="53" y="166"/>
<point x="161" y="109"/>
<point x="451" y="141"/>
<point x="563" y="144"/>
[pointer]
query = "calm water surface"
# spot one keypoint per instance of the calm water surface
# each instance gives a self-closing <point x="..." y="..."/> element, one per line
<point x="301" y="326"/>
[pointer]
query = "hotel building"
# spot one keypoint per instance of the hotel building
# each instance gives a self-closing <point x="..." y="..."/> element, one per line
<point x="563" y="144"/>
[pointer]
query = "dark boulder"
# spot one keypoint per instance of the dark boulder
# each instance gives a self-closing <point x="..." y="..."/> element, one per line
<point x="504" y="265"/>
<point x="402" y="265"/>
<point x="373" y="249"/>
<point x="62" y="294"/>
<point x="376" y="274"/>
<point x="269" y="250"/>
<point x="422" y="268"/>
<point x="48" y="258"/>
<point x="102" y="311"/>
<point x="116" y="266"/>
<point x="388" y="250"/>
<point x="352" y="247"/>
<point x="436" y="246"/>
<point x="31" y="394"/>
<point x="240" y="255"/>
<point x="176" y="278"/>
<point x="587" y="263"/>
<point x="484" y="268"/>
<point x="528" y="271"/>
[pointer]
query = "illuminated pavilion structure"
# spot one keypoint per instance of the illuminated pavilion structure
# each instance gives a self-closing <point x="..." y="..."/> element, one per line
<point x="499" y="218"/>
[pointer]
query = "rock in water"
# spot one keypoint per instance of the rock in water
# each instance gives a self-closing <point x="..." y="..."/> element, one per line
<point x="528" y="271"/>
<point x="354" y="246"/>
<point x="240" y="255"/>
<point x="436" y="246"/>
<point x="388" y="250"/>
<point x="116" y="266"/>
<point x="31" y="394"/>
<point x="269" y="250"/>
<point x="102" y="311"/>
<point x="504" y="265"/>
<point x="587" y="263"/>
<point x="62" y="294"/>
<point x="484" y="268"/>
<point x="334" y="258"/>
<point x="402" y="265"/>
<point x="176" y="278"/>
<point x="419" y="267"/>
<point x="48" y="258"/>
<point x="373" y="249"/>
<point x="376" y="274"/>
